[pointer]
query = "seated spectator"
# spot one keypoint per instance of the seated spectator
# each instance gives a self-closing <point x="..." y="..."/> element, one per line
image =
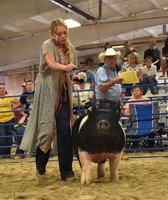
<point x="137" y="98"/>
<point x="129" y="49"/>
<point x="149" y="72"/>
<point x="84" y="67"/>
<point x="7" y="118"/>
<point x="85" y="96"/>
<point x="19" y="130"/>
<point x="134" y="63"/>
<point x="153" y="52"/>
<point x="164" y="62"/>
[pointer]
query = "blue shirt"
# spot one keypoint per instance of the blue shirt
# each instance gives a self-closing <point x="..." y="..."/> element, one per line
<point x="103" y="75"/>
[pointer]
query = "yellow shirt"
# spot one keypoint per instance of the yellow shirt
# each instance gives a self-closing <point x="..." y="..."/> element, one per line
<point x="6" y="105"/>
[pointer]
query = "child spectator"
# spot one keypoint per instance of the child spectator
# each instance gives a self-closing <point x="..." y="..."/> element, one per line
<point x="153" y="52"/>
<point x="149" y="72"/>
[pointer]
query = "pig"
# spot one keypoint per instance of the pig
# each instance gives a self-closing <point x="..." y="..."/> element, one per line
<point x="98" y="136"/>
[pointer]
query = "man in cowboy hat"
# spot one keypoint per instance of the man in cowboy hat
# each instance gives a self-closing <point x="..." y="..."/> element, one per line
<point x="107" y="81"/>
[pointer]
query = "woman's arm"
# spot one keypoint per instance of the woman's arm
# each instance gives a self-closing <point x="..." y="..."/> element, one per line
<point x="53" y="64"/>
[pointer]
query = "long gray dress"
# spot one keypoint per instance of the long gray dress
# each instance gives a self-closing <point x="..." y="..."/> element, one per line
<point x="41" y="128"/>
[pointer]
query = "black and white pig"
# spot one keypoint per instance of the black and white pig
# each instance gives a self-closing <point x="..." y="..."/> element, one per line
<point x="96" y="137"/>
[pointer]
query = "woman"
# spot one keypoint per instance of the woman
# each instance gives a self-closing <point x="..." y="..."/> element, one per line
<point x="134" y="63"/>
<point x="7" y="118"/>
<point x="137" y="98"/>
<point x="52" y="112"/>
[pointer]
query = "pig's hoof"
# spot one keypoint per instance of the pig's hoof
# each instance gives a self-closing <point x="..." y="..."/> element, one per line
<point x="114" y="179"/>
<point x="124" y="157"/>
<point x="85" y="181"/>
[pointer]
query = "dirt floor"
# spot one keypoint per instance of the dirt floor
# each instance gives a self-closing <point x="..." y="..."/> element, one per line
<point x="143" y="177"/>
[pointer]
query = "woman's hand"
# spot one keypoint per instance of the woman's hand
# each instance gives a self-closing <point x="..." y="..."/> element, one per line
<point x="70" y="67"/>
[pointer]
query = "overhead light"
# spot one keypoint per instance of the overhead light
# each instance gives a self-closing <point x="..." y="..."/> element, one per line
<point x="40" y="19"/>
<point x="118" y="47"/>
<point x="165" y="7"/>
<point x="72" y="23"/>
<point x="72" y="9"/>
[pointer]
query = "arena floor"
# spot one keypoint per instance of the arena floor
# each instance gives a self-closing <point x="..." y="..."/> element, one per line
<point x="144" y="176"/>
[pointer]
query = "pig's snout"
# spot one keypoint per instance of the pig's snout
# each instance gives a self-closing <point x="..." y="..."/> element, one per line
<point x="103" y="126"/>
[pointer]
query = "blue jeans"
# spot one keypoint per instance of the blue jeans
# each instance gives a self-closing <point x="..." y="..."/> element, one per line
<point x="6" y="142"/>
<point x="64" y="141"/>
<point x="19" y="132"/>
<point x="148" y="80"/>
<point x="64" y="144"/>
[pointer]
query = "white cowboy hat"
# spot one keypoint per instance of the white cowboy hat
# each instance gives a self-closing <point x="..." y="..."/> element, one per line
<point x="109" y="52"/>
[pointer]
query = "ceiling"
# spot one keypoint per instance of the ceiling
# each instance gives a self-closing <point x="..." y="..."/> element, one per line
<point x="27" y="22"/>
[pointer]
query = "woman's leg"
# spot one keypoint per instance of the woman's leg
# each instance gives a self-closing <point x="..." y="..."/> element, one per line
<point x="41" y="160"/>
<point x="64" y="141"/>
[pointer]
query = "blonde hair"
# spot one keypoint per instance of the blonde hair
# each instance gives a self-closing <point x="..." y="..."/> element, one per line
<point x="68" y="46"/>
<point x="83" y="76"/>
<point x="138" y="60"/>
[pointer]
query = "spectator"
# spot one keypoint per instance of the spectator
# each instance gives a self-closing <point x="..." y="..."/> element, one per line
<point x="84" y="67"/>
<point x="107" y="81"/>
<point x="27" y="97"/>
<point x="108" y="86"/>
<point x="137" y="98"/>
<point x="83" y="85"/>
<point x="52" y="115"/>
<point x="153" y="52"/>
<point x="164" y="62"/>
<point x="137" y="95"/>
<point x="19" y="130"/>
<point x="129" y="49"/>
<point x="149" y="72"/>
<point x="108" y="45"/>
<point x="133" y="63"/>
<point x="6" y="119"/>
